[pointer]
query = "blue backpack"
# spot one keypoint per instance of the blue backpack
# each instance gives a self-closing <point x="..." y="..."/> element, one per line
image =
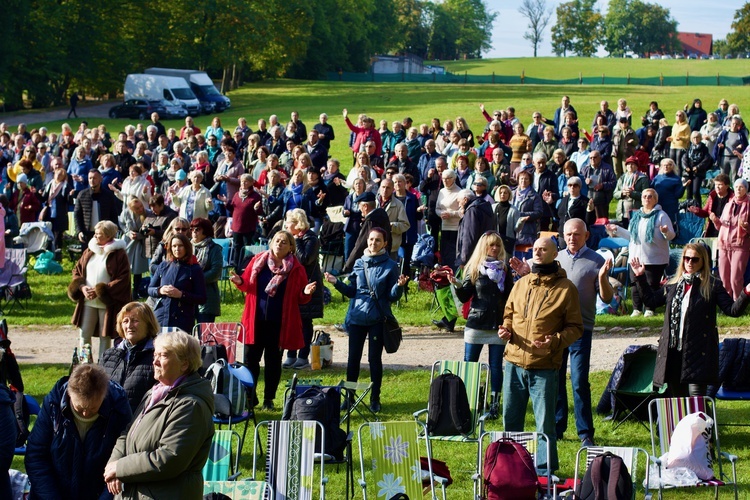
<point x="424" y="253"/>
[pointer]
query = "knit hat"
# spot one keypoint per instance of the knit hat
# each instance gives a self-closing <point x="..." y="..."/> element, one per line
<point x="180" y="175"/>
<point x="22" y="178"/>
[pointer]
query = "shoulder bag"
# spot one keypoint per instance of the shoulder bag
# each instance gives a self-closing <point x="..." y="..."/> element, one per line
<point x="392" y="334"/>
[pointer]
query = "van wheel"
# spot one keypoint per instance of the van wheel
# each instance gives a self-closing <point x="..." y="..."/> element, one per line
<point x="142" y="115"/>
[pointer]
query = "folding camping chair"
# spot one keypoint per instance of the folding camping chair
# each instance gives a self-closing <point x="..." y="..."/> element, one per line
<point x="222" y="463"/>
<point x="635" y="459"/>
<point x="13" y="285"/>
<point x="225" y="334"/>
<point x="35" y="237"/>
<point x="393" y="465"/>
<point x="227" y="261"/>
<point x="240" y="490"/>
<point x="665" y="413"/>
<point x="246" y="379"/>
<point x="689" y="226"/>
<point x="534" y="443"/>
<point x="476" y="378"/>
<point x="636" y="387"/>
<point x="296" y="389"/>
<point x="734" y="358"/>
<point x="618" y="246"/>
<point x="290" y="461"/>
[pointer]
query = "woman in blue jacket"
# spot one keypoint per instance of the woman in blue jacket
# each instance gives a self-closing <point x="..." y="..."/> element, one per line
<point x="178" y="285"/>
<point x="376" y="271"/>
<point x="74" y="435"/>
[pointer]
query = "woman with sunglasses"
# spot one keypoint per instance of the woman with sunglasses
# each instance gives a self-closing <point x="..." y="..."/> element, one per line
<point x="487" y="282"/>
<point x="688" y="354"/>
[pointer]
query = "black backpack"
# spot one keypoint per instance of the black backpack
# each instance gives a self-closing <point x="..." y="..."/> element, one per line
<point x="448" y="410"/>
<point x="607" y="478"/>
<point x="322" y="404"/>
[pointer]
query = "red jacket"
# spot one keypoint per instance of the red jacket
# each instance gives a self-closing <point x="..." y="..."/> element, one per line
<point x="291" y="322"/>
<point x="363" y="134"/>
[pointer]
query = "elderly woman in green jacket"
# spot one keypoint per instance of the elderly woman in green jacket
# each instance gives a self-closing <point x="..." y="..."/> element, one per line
<point x="163" y="452"/>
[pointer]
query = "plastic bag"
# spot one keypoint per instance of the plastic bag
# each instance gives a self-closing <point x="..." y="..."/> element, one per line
<point x="321" y="351"/>
<point x="679" y="476"/>
<point x="689" y="445"/>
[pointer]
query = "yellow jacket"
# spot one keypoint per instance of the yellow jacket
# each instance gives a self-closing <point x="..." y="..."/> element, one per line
<point x="16" y="169"/>
<point x="541" y="305"/>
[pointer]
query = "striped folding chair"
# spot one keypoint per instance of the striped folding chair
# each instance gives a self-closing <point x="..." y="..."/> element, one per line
<point x="665" y="413"/>
<point x="635" y="459"/>
<point x="225" y="334"/>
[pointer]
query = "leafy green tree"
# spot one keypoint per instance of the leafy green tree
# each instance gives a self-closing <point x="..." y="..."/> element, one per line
<point x="578" y="28"/>
<point x="538" y="15"/>
<point x="739" y="39"/>
<point x="720" y="47"/>
<point x="633" y="25"/>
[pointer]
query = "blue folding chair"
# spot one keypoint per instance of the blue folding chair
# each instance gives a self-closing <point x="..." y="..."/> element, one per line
<point x="617" y="246"/>
<point x="34" y="409"/>
<point x="246" y="379"/>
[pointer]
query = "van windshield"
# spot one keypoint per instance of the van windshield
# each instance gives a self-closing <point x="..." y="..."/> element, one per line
<point x="209" y="90"/>
<point x="183" y="93"/>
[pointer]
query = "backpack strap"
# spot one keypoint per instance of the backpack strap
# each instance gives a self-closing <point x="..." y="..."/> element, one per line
<point x="596" y="475"/>
<point x="437" y="402"/>
<point x="455" y="384"/>
<point x="615" y="464"/>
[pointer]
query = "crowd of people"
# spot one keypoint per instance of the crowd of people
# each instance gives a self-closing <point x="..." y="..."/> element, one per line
<point x="153" y="200"/>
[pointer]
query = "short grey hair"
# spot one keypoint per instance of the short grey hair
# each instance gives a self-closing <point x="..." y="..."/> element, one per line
<point x="466" y="194"/>
<point x="539" y="155"/>
<point x="152" y="127"/>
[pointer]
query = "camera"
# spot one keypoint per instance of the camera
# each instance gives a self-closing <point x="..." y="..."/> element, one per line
<point x="144" y="230"/>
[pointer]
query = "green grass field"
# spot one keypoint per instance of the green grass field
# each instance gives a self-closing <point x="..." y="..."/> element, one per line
<point x="405" y="392"/>
<point x="569" y="67"/>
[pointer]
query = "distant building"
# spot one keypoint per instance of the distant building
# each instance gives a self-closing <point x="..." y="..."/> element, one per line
<point x="696" y="43"/>
<point x="408" y="63"/>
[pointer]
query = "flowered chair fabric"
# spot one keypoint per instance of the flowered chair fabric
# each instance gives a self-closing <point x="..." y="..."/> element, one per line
<point x="665" y="413"/>
<point x="220" y="465"/>
<point x="290" y="461"/>
<point x="394" y="460"/>
<point x="240" y="490"/>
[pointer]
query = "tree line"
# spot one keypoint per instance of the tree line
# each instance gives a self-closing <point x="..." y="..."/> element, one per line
<point x="54" y="47"/>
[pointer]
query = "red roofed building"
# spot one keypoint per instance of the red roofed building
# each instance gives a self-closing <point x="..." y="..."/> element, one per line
<point x="696" y="43"/>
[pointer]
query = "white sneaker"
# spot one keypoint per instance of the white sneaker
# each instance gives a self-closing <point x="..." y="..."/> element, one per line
<point x="301" y="364"/>
<point x="288" y="362"/>
<point x="648" y="313"/>
<point x="635" y="313"/>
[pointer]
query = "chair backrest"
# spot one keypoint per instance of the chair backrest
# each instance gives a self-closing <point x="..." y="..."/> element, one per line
<point x="394" y="459"/>
<point x="475" y="376"/>
<point x="290" y="460"/>
<point x="632" y="457"/>
<point x="613" y="243"/>
<point x="226" y="248"/>
<point x="638" y="372"/>
<point x="690" y="226"/>
<point x="220" y="465"/>
<point x="11" y="273"/>
<point x="225" y="334"/>
<point x="240" y="490"/>
<point x="36" y="235"/>
<point x="665" y="413"/>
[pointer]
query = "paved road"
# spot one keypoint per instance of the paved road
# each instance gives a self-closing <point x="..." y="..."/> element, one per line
<point x="84" y="112"/>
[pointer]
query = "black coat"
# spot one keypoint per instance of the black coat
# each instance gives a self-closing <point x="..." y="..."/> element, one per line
<point x="377" y="218"/>
<point x="700" y="345"/>
<point x="487" y="301"/>
<point x="478" y="218"/>
<point x="136" y="375"/>
<point x="308" y="251"/>
<point x="577" y="210"/>
<point x="109" y="209"/>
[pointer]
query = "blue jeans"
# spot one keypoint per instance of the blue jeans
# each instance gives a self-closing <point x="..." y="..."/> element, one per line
<point x="472" y="352"/>
<point x="349" y="240"/>
<point x="580" y="356"/>
<point x="541" y="386"/>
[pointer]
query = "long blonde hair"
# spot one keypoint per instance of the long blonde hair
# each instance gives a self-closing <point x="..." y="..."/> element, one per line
<point x="480" y="254"/>
<point x="704" y="274"/>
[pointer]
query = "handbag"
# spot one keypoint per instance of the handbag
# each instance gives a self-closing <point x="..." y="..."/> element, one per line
<point x="392" y="334"/>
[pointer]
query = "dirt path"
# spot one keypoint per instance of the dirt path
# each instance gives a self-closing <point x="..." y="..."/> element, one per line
<point x="422" y="346"/>
<point x="84" y="111"/>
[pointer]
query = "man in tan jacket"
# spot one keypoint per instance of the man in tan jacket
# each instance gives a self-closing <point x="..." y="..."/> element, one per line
<point x="542" y="317"/>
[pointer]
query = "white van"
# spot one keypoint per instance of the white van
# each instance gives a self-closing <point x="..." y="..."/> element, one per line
<point x="201" y="85"/>
<point x="156" y="87"/>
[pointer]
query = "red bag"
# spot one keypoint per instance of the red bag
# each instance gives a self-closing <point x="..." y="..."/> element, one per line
<point x="439" y="468"/>
<point x="509" y="472"/>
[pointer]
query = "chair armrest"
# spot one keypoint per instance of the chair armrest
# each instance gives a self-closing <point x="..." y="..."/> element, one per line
<point x="324" y="480"/>
<point x="416" y="414"/>
<point x="234" y="476"/>
<point x="655" y="460"/>
<point x="732" y="458"/>
<point x="361" y="483"/>
<point x="566" y="494"/>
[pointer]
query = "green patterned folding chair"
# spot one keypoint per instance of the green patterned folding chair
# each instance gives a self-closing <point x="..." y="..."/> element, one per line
<point x="476" y="378"/>
<point x="393" y="465"/>
<point x="240" y="490"/>
<point x="291" y="461"/>
<point x="222" y="464"/>
<point x="665" y="413"/>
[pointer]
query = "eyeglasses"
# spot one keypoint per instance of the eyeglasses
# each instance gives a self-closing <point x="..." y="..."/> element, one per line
<point x="196" y="228"/>
<point x="647" y="196"/>
<point x="688" y="258"/>
<point x="182" y="229"/>
<point x="573" y="185"/>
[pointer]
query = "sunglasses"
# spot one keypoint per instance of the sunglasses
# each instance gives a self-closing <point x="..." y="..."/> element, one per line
<point x="694" y="260"/>
<point x="182" y="229"/>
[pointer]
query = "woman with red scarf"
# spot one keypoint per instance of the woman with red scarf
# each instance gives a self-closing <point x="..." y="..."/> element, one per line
<point x="276" y="284"/>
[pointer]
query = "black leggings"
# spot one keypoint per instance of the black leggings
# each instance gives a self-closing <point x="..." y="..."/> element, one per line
<point x="653" y="273"/>
<point x="357" y="336"/>
<point x="267" y="334"/>
<point x="673" y="378"/>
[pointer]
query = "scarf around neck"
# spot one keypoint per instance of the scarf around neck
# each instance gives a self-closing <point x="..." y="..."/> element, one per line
<point x="495" y="270"/>
<point x="280" y="273"/>
<point x="544" y="269"/>
<point x="675" y="310"/>
<point x="650" y="225"/>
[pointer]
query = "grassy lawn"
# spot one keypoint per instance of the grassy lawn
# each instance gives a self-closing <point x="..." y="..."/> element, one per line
<point x="569" y="67"/>
<point x="406" y="391"/>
